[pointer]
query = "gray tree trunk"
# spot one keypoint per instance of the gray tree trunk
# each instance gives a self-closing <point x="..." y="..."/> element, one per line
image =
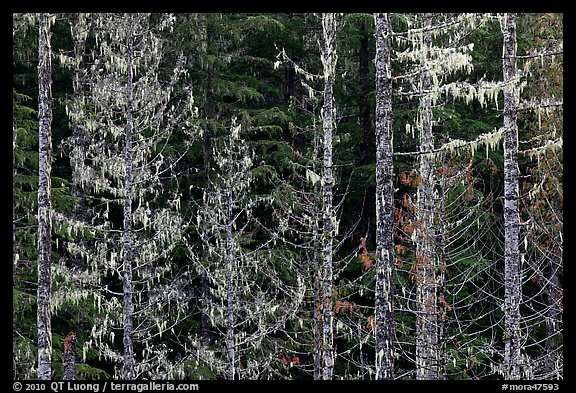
<point x="230" y="345"/>
<point x="128" y="372"/>
<point x="317" y="312"/>
<point x="384" y="203"/>
<point x="44" y="203"/>
<point x="329" y="59"/>
<point x="441" y="279"/>
<point x="70" y="344"/>
<point x="427" y="351"/>
<point x="14" y="252"/>
<point x="512" y="284"/>
<point x="316" y="273"/>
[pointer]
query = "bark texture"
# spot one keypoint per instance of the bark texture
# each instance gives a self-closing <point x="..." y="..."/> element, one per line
<point x="70" y="345"/>
<point x="512" y="289"/>
<point x="329" y="59"/>
<point x="44" y="202"/>
<point x="427" y="349"/>
<point x="384" y="203"/>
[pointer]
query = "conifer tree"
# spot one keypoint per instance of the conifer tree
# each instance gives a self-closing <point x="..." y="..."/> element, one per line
<point x="384" y="203"/>
<point x="329" y="59"/>
<point x="128" y="119"/>
<point x="512" y="279"/>
<point x="249" y="298"/>
<point x="44" y="199"/>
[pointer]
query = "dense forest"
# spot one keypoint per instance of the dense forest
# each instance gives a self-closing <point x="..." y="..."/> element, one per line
<point x="287" y="196"/>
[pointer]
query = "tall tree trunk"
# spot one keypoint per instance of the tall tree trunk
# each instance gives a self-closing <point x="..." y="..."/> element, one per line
<point x="364" y="107"/>
<point x="316" y="273"/>
<point x="128" y="180"/>
<point x="70" y="344"/>
<point x="384" y="203"/>
<point x="512" y="283"/>
<point x="329" y="59"/>
<point x="208" y="135"/>
<point x="44" y="202"/>
<point x="427" y="356"/>
<point x="14" y="251"/>
<point x="230" y="367"/>
<point x="318" y="335"/>
<point x="443" y="306"/>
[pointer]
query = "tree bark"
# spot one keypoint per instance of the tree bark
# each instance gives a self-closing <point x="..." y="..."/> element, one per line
<point x="70" y="344"/>
<point x="384" y="203"/>
<point x="316" y="273"/>
<point x="127" y="234"/>
<point x="44" y="202"/>
<point x="427" y="351"/>
<point x="512" y="283"/>
<point x="317" y="311"/>
<point x="14" y="250"/>
<point x="230" y="345"/>
<point x="329" y="59"/>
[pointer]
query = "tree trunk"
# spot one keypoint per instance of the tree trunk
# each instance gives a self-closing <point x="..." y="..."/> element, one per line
<point x="208" y="134"/>
<point x="329" y="59"/>
<point x="427" y="356"/>
<point x="384" y="203"/>
<point x="317" y="311"/>
<point x="230" y="367"/>
<point x="128" y="180"/>
<point x="14" y="251"/>
<point x="70" y="344"/>
<point x="443" y="307"/>
<point x="512" y="284"/>
<point x="44" y="203"/>
<point x="316" y="273"/>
